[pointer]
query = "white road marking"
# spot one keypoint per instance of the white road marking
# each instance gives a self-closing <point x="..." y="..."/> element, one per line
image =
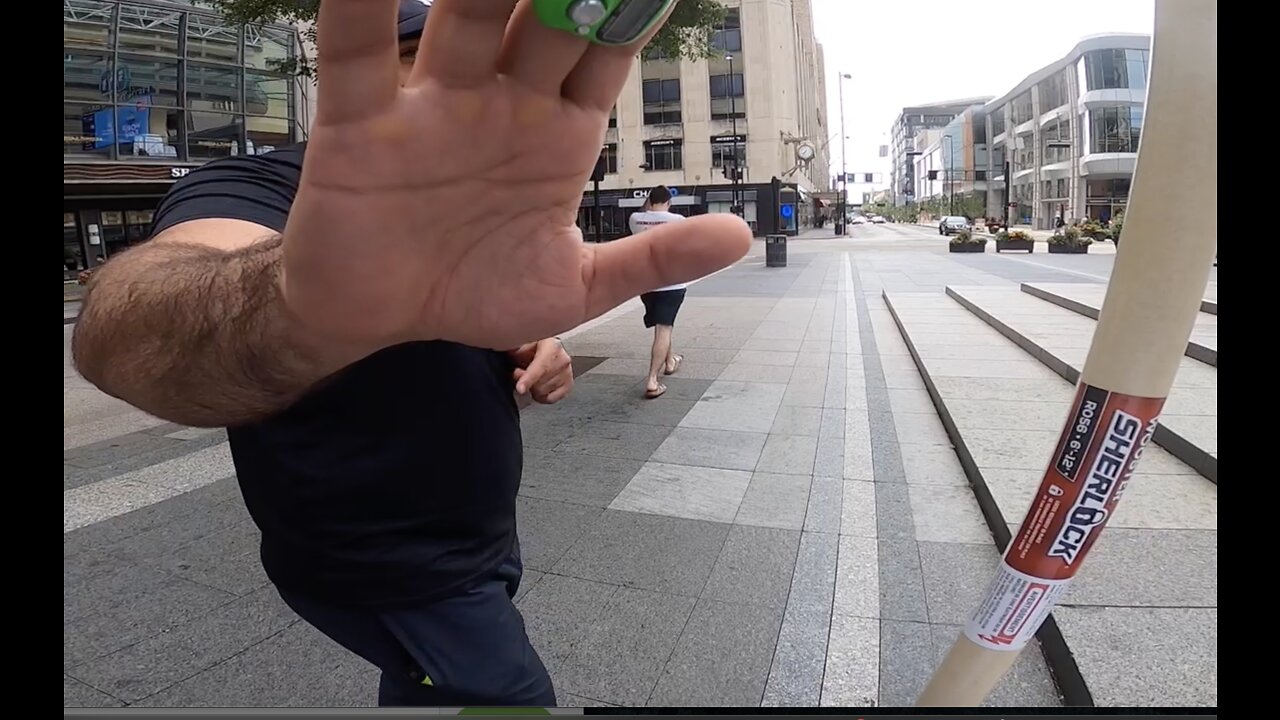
<point x="106" y="499"/>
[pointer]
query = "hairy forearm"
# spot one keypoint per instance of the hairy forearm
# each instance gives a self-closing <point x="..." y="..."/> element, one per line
<point x="198" y="335"/>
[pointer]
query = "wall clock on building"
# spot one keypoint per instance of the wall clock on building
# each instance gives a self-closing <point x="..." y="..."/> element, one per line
<point x="805" y="152"/>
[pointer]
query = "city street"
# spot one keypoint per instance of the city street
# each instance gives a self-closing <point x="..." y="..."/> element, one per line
<point x="792" y="524"/>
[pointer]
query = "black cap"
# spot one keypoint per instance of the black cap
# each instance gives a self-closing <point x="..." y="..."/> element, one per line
<point x="413" y="17"/>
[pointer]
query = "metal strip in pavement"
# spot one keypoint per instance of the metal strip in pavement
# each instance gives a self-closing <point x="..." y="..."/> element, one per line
<point x="1055" y="267"/>
<point x="906" y="645"/>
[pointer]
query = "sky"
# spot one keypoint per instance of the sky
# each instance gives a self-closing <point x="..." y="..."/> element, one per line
<point x="910" y="52"/>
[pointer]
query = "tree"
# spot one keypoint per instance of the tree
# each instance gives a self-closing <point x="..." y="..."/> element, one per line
<point x="688" y="33"/>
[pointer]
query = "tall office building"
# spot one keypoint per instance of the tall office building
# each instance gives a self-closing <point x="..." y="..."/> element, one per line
<point x="905" y="146"/>
<point x="760" y="102"/>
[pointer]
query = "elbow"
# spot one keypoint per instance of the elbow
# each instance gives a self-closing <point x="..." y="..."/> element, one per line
<point x="90" y="354"/>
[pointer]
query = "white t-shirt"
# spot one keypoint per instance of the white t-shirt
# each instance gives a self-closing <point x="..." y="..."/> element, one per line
<point x="647" y="219"/>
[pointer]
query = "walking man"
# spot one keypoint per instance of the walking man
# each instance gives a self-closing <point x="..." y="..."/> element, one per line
<point x="662" y="305"/>
<point x="358" y="310"/>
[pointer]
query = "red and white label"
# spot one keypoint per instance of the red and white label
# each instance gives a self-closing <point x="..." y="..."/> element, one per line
<point x="1096" y="455"/>
<point x="1016" y="606"/>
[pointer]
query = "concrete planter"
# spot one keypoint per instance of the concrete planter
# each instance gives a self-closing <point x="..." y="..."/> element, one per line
<point x="1025" y="245"/>
<point x="1068" y="249"/>
<point x="967" y="247"/>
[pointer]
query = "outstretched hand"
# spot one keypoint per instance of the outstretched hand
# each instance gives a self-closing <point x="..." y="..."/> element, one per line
<point x="446" y="208"/>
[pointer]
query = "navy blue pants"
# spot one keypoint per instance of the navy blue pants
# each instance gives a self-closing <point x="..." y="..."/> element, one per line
<point x="466" y="650"/>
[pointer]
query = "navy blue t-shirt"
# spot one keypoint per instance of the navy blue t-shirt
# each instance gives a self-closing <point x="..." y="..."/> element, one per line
<point x="395" y="481"/>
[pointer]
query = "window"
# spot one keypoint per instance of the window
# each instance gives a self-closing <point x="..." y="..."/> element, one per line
<point x="1053" y="92"/>
<point x="213" y="135"/>
<point x="87" y="130"/>
<point x="997" y="122"/>
<point x="1117" y="189"/>
<point x="268" y="48"/>
<point x="1115" y="130"/>
<point x="86" y="76"/>
<point x="664" y="154"/>
<point x="209" y="39"/>
<point x="1022" y="109"/>
<point x="147" y="81"/>
<point x="1117" y="69"/>
<point x="661" y="101"/>
<point x="1056" y="141"/>
<point x="724" y="148"/>
<point x="267" y="94"/>
<point x="726" y="85"/>
<point x="728" y="96"/>
<point x="155" y="81"/>
<point x="728" y="36"/>
<point x="149" y="30"/>
<point x="264" y="134"/>
<point x="610" y="155"/>
<point x="88" y="24"/>
<point x="613" y="117"/>
<point x="213" y="87"/>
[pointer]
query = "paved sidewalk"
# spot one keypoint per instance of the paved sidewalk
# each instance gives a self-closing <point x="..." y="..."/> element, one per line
<point x="788" y="525"/>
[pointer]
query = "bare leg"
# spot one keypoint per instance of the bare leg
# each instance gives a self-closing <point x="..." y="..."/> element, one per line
<point x="670" y="362"/>
<point x="658" y="357"/>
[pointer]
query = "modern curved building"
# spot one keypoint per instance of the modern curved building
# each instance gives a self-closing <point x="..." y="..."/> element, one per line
<point x="151" y="89"/>
<point x="1064" y="140"/>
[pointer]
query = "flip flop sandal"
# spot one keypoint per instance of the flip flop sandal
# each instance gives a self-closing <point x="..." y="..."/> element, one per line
<point x="672" y="371"/>
<point x="655" y="393"/>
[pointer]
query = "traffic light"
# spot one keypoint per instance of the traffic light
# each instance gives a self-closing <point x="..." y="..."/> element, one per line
<point x="732" y="173"/>
<point x="598" y="173"/>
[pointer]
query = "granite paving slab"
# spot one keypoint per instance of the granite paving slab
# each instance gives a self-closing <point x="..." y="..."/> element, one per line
<point x="1087" y="298"/>
<point x="1037" y="326"/>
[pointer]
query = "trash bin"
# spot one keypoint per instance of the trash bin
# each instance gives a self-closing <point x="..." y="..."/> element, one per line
<point x="775" y="250"/>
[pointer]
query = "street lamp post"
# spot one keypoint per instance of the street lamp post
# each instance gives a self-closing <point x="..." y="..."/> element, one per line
<point x="948" y="186"/>
<point x="733" y="118"/>
<point x="844" y="164"/>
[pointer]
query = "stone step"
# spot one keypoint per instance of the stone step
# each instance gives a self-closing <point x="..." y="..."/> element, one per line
<point x="1060" y="339"/>
<point x="1086" y="299"/>
<point x="1139" y="625"/>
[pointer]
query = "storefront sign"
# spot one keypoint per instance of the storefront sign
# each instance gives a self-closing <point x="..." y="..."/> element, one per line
<point x="645" y="193"/>
<point x="179" y="172"/>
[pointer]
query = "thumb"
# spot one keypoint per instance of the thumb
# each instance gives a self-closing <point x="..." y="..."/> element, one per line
<point x="665" y="255"/>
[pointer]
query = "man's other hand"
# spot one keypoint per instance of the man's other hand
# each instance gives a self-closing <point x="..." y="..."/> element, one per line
<point x="544" y="370"/>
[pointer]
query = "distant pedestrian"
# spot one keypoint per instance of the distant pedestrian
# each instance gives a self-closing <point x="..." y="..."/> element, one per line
<point x="662" y="305"/>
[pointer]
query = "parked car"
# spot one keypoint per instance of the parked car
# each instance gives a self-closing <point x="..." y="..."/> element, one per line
<point x="858" y="220"/>
<point x="877" y="220"/>
<point x="951" y="224"/>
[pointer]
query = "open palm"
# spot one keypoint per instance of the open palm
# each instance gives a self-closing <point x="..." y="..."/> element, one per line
<point x="447" y="208"/>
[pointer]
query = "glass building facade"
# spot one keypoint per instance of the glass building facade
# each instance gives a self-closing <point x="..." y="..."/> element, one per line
<point x="1076" y="160"/>
<point x="151" y="89"/>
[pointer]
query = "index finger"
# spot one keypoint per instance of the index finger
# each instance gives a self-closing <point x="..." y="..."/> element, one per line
<point x="356" y="42"/>
<point x="533" y="374"/>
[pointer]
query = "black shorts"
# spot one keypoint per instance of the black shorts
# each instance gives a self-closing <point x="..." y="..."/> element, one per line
<point x="661" y="307"/>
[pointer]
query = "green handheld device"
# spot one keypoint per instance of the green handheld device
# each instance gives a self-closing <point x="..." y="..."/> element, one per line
<point x="607" y="22"/>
